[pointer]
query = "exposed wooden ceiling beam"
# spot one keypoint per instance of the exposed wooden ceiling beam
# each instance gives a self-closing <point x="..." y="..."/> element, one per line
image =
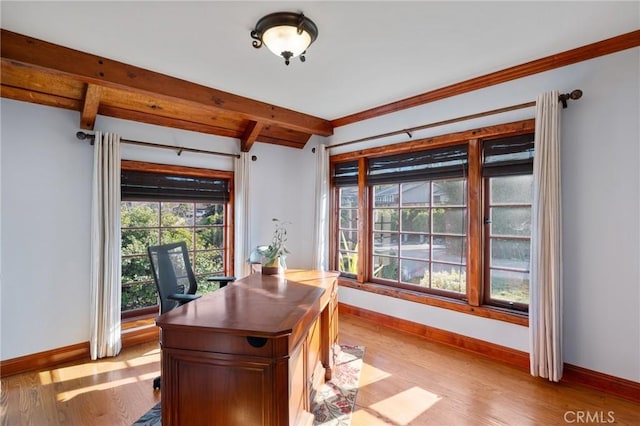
<point x="24" y="95"/>
<point x="250" y="135"/>
<point x="90" y="107"/>
<point x="91" y="69"/>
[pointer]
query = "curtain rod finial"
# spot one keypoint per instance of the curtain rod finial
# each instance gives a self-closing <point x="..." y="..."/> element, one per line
<point x="82" y="136"/>
<point x="574" y="95"/>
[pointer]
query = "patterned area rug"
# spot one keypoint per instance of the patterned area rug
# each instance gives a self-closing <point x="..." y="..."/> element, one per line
<point x="332" y="404"/>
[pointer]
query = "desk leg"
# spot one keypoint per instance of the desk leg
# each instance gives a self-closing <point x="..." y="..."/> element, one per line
<point x="329" y="347"/>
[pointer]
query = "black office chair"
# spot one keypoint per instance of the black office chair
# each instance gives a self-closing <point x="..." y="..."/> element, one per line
<point x="175" y="281"/>
<point x="173" y="275"/>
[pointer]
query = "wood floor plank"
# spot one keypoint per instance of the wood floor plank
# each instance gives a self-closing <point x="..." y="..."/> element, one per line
<point x="405" y="380"/>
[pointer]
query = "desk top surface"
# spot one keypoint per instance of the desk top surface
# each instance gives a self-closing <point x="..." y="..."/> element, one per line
<point x="257" y="305"/>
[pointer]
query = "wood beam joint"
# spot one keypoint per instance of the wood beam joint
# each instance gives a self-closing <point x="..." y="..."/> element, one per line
<point x="90" y="107"/>
<point x="250" y="135"/>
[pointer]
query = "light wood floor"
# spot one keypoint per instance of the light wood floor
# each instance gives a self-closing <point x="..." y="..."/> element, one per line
<point x="405" y="381"/>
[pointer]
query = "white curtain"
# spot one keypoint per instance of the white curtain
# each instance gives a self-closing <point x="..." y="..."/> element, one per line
<point x="545" y="307"/>
<point x="106" y="292"/>
<point x="321" y="222"/>
<point x="242" y="228"/>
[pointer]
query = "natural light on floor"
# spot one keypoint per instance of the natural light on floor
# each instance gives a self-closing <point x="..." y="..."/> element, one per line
<point x="66" y="396"/>
<point x="402" y="408"/>
<point x="101" y="375"/>
<point x="371" y="374"/>
<point x="76" y="372"/>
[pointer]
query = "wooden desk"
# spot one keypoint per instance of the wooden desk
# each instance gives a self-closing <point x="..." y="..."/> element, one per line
<point x="250" y="353"/>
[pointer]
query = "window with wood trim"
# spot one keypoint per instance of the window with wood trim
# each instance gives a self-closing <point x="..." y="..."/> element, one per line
<point x="508" y="193"/>
<point x="163" y="204"/>
<point x="448" y="217"/>
<point x="345" y="180"/>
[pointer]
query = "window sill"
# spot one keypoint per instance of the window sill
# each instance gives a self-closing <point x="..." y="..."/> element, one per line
<point x="139" y="329"/>
<point x="440" y="302"/>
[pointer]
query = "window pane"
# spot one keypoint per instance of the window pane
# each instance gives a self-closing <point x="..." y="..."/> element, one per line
<point x="208" y="262"/>
<point x="386" y="195"/>
<point x="348" y="219"/>
<point x="416" y="194"/>
<point x="449" y="192"/>
<point x="139" y="214"/>
<point x="449" y="278"/>
<point x="450" y="249"/>
<point x="209" y="214"/>
<point x="507" y="253"/>
<point x="414" y="272"/>
<point x="135" y="269"/>
<point x="138" y="296"/>
<point x="349" y="197"/>
<point x="385" y="243"/>
<point x="385" y="268"/>
<point x="450" y="221"/>
<point x="210" y="238"/>
<point x="348" y="262"/>
<point x="385" y="219"/>
<point x="136" y="241"/>
<point x="206" y="286"/>
<point x="174" y="235"/>
<point x="512" y="189"/>
<point x="177" y="214"/>
<point x="415" y="220"/>
<point x="348" y="240"/>
<point x="510" y="286"/>
<point x="415" y="246"/>
<point x="511" y="221"/>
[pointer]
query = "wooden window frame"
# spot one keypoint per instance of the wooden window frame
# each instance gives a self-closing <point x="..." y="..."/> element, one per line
<point x="487" y="299"/>
<point x="228" y="255"/>
<point x="474" y="301"/>
<point x="431" y="235"/>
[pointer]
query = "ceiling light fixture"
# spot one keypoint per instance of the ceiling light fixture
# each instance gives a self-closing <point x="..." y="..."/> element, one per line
<point x="286" y="34"/>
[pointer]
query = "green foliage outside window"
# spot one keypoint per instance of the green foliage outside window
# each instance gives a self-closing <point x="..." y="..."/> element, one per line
<point x="451" y="280"/>
<point x="200" y="225"/>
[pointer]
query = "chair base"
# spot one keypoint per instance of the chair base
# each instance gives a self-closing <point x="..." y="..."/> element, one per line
<point x="156" y="383"/>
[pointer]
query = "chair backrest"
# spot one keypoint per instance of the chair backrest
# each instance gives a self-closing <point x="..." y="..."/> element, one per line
<point x="172" y="272"/>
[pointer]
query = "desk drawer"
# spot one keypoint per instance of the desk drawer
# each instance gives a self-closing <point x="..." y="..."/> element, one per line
<point x="204" y="341"/>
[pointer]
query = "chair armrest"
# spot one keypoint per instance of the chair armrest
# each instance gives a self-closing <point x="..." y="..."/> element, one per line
<point x="183" y="298"/>
<point x="222" y="280"/>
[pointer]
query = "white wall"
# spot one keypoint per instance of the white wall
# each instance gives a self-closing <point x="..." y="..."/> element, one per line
<point x="46" y="183"/>
<point x="46" y="176"/>
<point x="601" y="208"/>
<point x="282" y="187"/>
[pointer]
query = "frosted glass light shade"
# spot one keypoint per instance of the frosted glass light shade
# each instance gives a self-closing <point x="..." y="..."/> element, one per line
<point x="285" y="38"/>
<point x="286" y="34"/>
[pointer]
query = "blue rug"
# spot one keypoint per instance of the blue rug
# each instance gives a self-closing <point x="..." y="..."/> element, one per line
<point x="151" y="418"/>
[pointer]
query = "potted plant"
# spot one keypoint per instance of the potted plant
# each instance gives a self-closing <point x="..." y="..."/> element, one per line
<point x="273" y="256"/>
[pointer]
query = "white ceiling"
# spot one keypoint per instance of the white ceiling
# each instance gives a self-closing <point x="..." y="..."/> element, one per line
<point x="367" y="53"/>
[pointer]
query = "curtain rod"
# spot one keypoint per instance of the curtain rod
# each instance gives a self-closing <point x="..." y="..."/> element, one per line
<point x="179" y="150"/>
<point x="576" y="94"/>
